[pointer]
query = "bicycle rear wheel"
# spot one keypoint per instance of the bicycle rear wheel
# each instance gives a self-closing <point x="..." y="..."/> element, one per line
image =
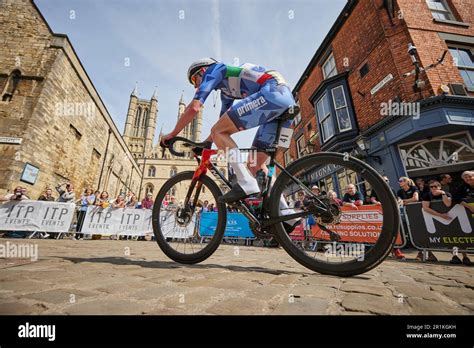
<point x="366" y="234"/>
<point x="177" y="226"/>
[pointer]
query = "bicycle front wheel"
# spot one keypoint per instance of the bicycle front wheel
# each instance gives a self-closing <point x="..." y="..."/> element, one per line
<point x="177" y="224"/>
<point x="351" y="238"/>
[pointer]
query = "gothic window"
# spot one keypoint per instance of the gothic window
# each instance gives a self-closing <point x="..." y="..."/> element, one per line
<point x="173" y="171"/>
<point x="144" y="123"/>
<point x="149" y="188"/>
<point x="136" y="126"/>
<point x="152" y="171"/>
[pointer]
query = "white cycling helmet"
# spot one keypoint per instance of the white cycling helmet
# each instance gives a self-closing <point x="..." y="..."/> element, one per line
<point x="198" y="64"/>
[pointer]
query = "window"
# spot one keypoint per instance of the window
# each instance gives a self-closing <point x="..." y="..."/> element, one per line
<point x="11" y="85"/>
<point x="149" y="188"/>
<point x="297" y="119"/>
<point x="324" y="117"/>
<point x="300" y="146"/>
<point x="364" y="70"/>
<point x="173" y="171"/>
<point x="340" y="105"/>
<point x="464" y="60"/>
<point x="329" y="67"/>
<point x="440" y="10"/>
<point x="287" y="157"/>
<point x="152" y="171"/>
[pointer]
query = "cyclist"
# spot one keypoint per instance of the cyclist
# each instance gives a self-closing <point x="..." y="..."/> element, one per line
<point x="262" y="96"/>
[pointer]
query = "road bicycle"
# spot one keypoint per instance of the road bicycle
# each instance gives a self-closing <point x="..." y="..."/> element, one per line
<point x="178" y="210"/>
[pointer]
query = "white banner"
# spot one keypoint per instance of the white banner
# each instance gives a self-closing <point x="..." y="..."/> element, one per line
<point x="38" y="216"/>
<point x="122" y="221"/>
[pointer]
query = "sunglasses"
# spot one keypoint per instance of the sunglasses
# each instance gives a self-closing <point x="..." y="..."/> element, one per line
<point x="194" y="77"/>
<point x="434" y="186"/>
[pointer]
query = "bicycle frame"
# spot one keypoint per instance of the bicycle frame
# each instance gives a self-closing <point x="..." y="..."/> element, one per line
<point x="206" y="164"/>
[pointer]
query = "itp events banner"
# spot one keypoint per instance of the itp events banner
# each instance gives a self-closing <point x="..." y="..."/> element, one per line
<point x="37" y="216"/>
<point x="124" y="221"/>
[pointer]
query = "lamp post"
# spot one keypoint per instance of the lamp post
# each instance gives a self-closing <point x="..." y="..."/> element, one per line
<point x="363" y="147"/>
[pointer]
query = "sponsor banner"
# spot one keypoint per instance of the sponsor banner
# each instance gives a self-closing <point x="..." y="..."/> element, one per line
<point x="298" y="233"/>
<point x="171" y="229"/>
<point x="433" y="232"/>
<point x="38" y="216"/>
<point x="237" y="225"/>
<point x="358" y="226"/>
<point x="109" y="221"/>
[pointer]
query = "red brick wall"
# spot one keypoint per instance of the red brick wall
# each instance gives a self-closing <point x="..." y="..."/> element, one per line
<point x="370" y="36"/>
<point x="424" y="34"/>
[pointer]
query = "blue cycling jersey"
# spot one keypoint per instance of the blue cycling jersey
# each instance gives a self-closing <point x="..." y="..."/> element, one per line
<point x="234" y="82"/>
<point x="263" y="95"/>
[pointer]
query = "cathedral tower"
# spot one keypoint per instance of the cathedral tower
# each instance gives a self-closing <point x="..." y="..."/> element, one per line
<point x="193" y="130"/>
<point x="140" y="124"/>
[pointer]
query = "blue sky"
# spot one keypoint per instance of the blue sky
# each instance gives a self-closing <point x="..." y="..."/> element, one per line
<point x="160" y="38"/>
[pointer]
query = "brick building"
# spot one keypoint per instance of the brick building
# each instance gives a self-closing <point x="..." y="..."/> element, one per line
<point x="354" y="98"/>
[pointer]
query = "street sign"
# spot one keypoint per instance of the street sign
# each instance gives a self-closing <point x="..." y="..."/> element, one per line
<point x="382" y="83"/>
<point x="10" y="140"/>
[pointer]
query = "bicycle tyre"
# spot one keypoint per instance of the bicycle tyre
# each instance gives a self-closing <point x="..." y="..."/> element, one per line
<point x="388" y="234"/>
<point x="211" y="247"/>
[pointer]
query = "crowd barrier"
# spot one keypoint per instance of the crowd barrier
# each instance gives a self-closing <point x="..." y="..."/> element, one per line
<point x="427" y="232"/>
<point x="430" y="232"/>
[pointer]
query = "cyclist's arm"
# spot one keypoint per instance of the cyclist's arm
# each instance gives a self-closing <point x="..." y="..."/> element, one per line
<point x="210" y="80"/>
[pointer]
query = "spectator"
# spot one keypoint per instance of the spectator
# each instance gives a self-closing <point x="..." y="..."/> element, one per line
<point x="465" y="197"/>
<point x="422" y="187"/>
<point x="19" y="194"/>
<point x="408" y="192"/>
<point x="87" y="199"/>
<point x="211" y="207"/>
<point x="374" y="199"/>
<point x="465" y="193"/>
<point x="332" y="195"/>
<point x="290" y="202"/>
<point x="445" y="180"/>
<point x="47" y="196"/>
<point x="132" y="201"/>
<point x="147" y="202"/>
<point x="205" y="206"/>
<point x="130" y="194"/>
<point x="103" y="200"/>
<point x="353" y="198"/>
<point x="96" y="195"/>
<point x="436" y="193"/>
<point x="66" y="195"/>
<point x="299" y="201"/>
<point x="316" y="191"/>
<point x="119" y="202"/>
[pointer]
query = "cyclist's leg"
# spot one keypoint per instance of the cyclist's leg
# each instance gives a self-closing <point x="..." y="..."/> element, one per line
<point x="247" y="184"/>
<point x="255" y="110"/>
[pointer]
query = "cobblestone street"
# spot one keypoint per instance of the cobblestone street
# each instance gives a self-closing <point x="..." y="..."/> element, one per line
<point x="97" y="277"/>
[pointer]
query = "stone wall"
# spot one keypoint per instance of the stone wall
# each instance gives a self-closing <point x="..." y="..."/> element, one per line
<point x="57" y="112"/>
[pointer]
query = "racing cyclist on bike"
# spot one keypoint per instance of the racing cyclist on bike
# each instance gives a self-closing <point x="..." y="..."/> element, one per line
<point x="262" y="96"/>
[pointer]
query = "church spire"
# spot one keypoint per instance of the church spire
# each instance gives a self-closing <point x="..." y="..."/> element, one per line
<point x="155" y="94"/>
<point x="181" y="100"/>
<point x="135" y="90"/>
